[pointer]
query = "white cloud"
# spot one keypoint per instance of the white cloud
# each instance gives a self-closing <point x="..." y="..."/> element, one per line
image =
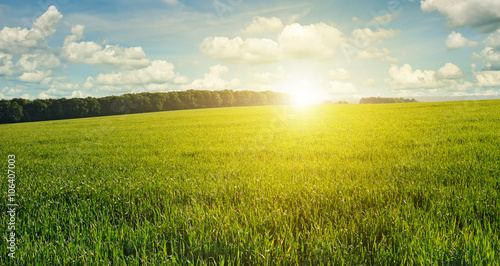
<point x="77" y="94"/>
<point x="62" y="84"/>
<point x="261" y="25"/>
<point x="481" y="14"/>
<point x="20" y="40"/>
<point x="486" y="78"/>
<point x="88" y="83"/>
<point x="32" y="62"/>
<point x="491" y="53"/>
<point x="491" y="58"/>
<point x="365" y="37"/>
<point x="446" y="78"/>
<point x="44" y="95"/>
<point x="11" y="91"/>
<point x="239" y="51"/>
<point x="449" y="71"/>
<point x="456" y="41"/>
<point x="213" y="80"/>
<point x="493" y="40"/>
<point x="93" y="53"/>
<point x="34" y="77"/>
<point x="405" y="77"/>
<point x="25" y="96"/>
<point x="339" y="74"/>
<point x="383" y="54"/>
<point x="315" y="41"/>
<point x="5" y="63"/>
<point x="159" y="71"/>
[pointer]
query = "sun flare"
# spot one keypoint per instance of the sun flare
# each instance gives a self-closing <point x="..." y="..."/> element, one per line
<point x="305" y="98"/>
<point x="305" y="92"/>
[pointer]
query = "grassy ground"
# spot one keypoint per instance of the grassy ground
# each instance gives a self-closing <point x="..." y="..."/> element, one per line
<point x="330" y="184"/>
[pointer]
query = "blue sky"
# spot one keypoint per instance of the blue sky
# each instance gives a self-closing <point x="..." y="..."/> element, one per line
<point x="314" y="49"/>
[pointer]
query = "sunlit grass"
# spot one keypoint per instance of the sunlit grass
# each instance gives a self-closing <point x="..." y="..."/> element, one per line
<point x="354" y="184"/>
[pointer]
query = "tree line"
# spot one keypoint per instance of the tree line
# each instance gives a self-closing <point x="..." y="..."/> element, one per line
<point x="22" y="110"/>
<point x="372" y="100"/>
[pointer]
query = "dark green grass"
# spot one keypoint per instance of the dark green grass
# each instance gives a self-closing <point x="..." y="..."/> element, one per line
<point x="331" y="184"/>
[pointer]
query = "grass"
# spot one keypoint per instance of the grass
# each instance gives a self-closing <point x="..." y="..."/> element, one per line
<point x="413" y="184"/>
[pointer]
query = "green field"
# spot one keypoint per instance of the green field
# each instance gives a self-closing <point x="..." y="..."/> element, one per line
<point x="328" y="184"/>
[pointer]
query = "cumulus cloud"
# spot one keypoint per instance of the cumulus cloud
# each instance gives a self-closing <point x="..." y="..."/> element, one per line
<point x="491" y="53"/>
<point x="5" y="63"/>
<point x="77" y="94"/>
<point x="339" y="74"/>
<point x="213" y="81"/>
<point x="456" y="41"/>
<point x="11" y="91"/>
<point x="34" y="77"/>
<point x="486" y="78"/>
<point x="239" y="51"/>
<point x="491" y="58"/>
<point x="445" y="78"/>
<point x="32" y="62"/>
<point x="372" y="52"/>
<point x="365" y="37"/>
<point x="449" y="71"/>
<point x="93" y="53"/>
<point x="261" y="25"/>
<point x="493" y="40"/>
<point x="89" y="83"/>
<point x="159" y="71"/>
<point x="405" y="77"/>
<point x="481" y="14"/>
<point x="315" y="41"/>
<point x="21" y="40"/>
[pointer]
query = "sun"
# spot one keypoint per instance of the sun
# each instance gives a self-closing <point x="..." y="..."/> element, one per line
<point x="305" y="92"/>
<point x="305" y="98"/>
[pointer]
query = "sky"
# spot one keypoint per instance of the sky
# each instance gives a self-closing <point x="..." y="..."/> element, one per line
<point x="315" y="50"/>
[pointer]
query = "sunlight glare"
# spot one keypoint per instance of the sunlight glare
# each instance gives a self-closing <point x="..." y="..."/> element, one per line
<point x="305" y="93"/>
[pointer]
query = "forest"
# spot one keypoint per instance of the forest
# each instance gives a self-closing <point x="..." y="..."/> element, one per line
<point x="22" y="110"/>
<point x="372" y="100"/>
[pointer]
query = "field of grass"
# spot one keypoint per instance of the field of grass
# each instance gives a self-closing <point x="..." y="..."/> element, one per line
<point x="328" y="184"/>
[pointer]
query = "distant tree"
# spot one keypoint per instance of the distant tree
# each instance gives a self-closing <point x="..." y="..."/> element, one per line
<point x="376" y="100"/>
<point x="342" y="102"/>
<point x="215" y="99"/>
<point x="22" y="110"/>
<point x="242" y="98"/>
<point x="173" y="102"/>
<point x="14" y="113"/>
<point x="187" y="99"/>
<point x="258" y="98"/>
<point x="157" y="101"/>
<point x="227" y="97"/>
<point x="93" y="106"/>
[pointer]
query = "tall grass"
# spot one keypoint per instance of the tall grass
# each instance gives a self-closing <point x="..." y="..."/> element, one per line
<point x="319" y="185"/>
